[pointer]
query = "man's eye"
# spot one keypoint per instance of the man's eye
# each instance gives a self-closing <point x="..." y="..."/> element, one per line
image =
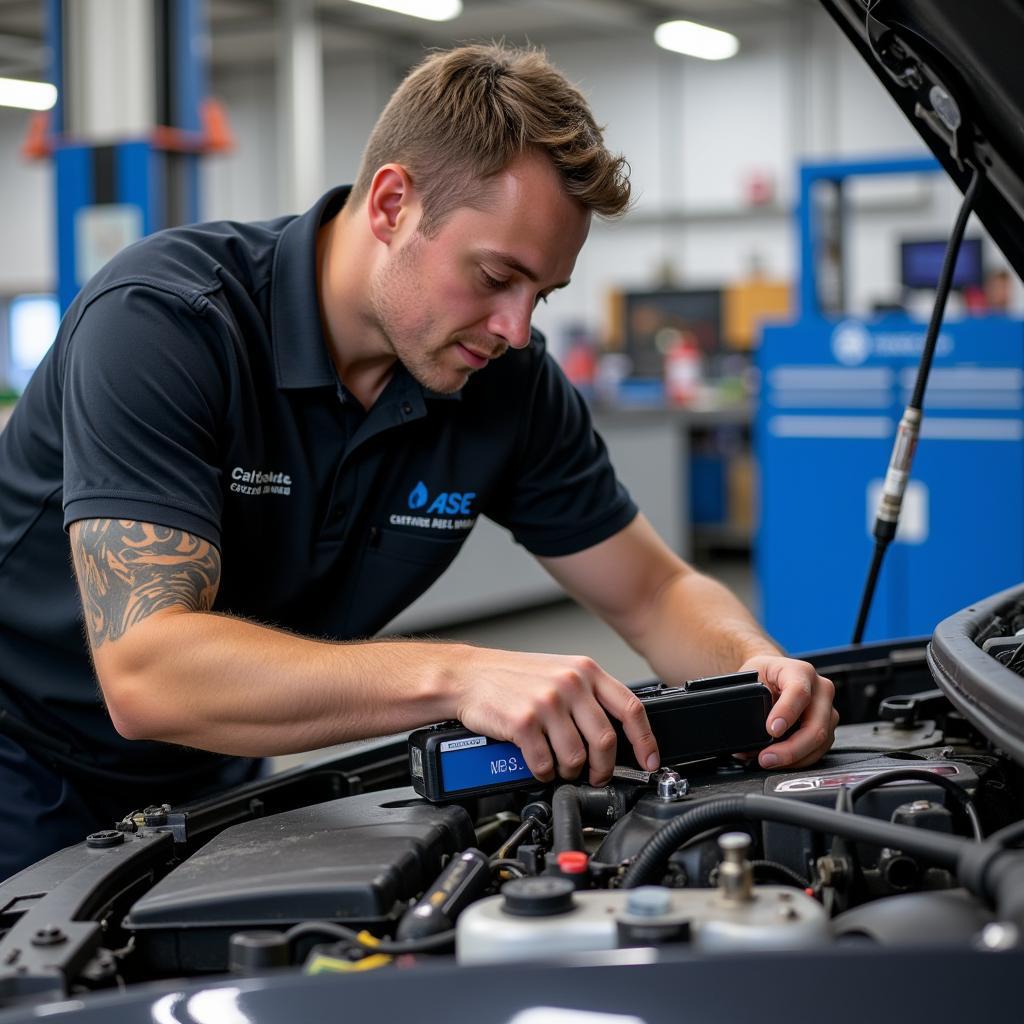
<point x="539" y="299"/>
<point x="493" y="282"/>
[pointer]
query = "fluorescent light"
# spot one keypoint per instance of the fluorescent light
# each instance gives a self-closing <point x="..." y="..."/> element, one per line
<point x="15" y="92"/>
<point x="432" y="10"/>
<point x="696" y="40"/>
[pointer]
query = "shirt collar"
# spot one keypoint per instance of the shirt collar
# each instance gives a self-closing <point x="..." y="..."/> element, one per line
<point x="301" y="356"/>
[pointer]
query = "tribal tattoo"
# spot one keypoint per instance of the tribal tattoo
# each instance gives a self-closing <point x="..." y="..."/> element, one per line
<point x="128" y="570"/>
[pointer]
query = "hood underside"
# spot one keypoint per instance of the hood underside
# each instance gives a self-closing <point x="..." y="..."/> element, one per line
<point x="954" y="68"/>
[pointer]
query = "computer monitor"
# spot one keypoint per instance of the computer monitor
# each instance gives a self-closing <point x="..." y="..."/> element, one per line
<point x="653" y="317"/>
<point x="921" y="263"/>
<point x="32" y="322"/>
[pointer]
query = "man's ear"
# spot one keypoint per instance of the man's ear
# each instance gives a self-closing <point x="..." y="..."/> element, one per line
<point x="391" y="202"/>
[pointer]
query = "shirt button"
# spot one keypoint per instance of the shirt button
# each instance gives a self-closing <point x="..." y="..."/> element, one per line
<point x="406" y="408"/>
<point x="338" y="514"/>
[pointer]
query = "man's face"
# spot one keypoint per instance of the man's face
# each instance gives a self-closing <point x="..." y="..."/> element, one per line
<point x="449" y="303"/>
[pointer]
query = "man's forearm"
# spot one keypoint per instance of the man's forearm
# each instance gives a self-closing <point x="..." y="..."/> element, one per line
<point x="695" y="627"/>
<point x="172" y="670"/>
<point x="225" y="684"/>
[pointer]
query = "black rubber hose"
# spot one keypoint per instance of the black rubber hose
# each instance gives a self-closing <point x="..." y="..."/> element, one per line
<point x="605" y="805"/>
<point x="1005" y="882"/>
<point x="1010" y="835"/>
<point x="997" y="876"/>
<point x="651" y="862"/>
<point x="567" y="821"/>
<point x="958" y="793"/>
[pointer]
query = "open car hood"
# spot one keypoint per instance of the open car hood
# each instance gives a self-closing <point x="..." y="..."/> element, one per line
<point x="954" y="68"/>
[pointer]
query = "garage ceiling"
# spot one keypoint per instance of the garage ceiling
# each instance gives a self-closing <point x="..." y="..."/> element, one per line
<point x="244" y="32"/>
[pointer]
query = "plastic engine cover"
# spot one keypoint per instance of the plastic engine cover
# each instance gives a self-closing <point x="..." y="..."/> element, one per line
<point x="349" y="860"/>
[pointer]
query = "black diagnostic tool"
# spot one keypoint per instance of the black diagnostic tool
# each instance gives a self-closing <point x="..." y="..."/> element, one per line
<point x="701" y="718"/>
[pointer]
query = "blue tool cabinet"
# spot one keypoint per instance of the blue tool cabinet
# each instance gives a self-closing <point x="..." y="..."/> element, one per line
<point x="832" y="393"/>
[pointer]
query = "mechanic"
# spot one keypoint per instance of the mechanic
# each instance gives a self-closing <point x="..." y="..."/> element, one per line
<point x="265" y="440"/>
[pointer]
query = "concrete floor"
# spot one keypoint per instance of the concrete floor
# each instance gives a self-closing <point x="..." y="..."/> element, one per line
<point x="565" y="628"/>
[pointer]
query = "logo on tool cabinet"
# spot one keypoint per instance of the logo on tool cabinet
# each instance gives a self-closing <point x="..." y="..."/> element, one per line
<point x="851" y="343"/>
<point x="437" y="510"/>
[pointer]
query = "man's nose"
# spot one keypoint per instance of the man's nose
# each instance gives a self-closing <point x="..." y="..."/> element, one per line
<point x="511" y="321"/>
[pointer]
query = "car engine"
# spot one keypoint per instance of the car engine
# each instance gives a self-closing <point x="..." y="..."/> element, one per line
<point x="901" y="836"/>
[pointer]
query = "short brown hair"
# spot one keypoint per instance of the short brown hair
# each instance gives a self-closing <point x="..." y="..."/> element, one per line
<point x="463" y="115"/>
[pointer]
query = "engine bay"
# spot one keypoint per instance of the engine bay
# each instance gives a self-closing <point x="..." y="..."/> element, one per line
<point x="902" y="836"/>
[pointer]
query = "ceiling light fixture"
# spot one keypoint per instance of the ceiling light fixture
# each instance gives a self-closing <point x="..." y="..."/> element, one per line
<point x="696" y="40"/>
<point x="431" y="10"/>
<point x="16" y="92"/>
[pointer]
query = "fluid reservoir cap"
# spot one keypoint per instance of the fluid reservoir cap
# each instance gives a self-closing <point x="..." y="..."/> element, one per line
<point x="538" y="897"/>
<point x="253" y="951"/>
<point x="649" y="901"/>
<point x="572" y="862"/>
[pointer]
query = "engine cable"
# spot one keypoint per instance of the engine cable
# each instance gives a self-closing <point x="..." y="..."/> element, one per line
<point x="339" y="931"/>
<point x="767" y="869"/>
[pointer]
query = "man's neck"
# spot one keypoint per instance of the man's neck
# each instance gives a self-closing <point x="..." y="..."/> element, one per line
<point x="362" y="358"/>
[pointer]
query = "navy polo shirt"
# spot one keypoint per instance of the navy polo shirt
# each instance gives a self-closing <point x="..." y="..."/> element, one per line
<point x="190" y="386"/>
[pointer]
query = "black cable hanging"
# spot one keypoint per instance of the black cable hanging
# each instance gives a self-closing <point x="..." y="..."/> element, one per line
<point x="888" y="516"/>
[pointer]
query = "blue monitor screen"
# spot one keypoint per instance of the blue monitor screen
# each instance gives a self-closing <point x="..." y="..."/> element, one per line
<point x="486" y="765"/>
<point x="921" y="263"/>
<point x="32" y="325"/>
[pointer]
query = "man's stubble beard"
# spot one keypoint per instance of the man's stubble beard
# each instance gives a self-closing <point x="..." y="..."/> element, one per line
<point x="393" y="292"/>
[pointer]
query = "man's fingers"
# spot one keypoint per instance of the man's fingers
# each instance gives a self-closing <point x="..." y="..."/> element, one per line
<point x="816" y="754"/>
<point x="567" y="745"/>
<point x="558" y="710"/>
<point x="813" y="737"/>
<point x="538" y="756"/>
<point x="798" y="684"/>
<point x="627" y="707"/>
<point x="600" y="738"/>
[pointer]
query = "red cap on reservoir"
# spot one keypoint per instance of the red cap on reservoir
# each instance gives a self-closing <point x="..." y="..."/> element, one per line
<point x="572" y="862"/>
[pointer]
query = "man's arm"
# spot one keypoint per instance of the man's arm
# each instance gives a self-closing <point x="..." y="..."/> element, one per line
<point x="171" y="670"/>
<point x="686" y="625"/>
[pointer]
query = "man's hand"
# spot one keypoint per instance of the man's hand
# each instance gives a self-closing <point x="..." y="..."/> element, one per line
<point x="554" y="708"/>
<point x="801" y="695"/>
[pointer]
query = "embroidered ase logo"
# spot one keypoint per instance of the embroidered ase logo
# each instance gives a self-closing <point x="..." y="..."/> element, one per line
<point x="447" y="510"/>
<point x="452" y="503"/>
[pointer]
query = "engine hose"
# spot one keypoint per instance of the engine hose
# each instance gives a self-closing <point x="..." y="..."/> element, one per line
<point x="651" y="862"/>
<point x="567" y="821"/>
<point x="997" y="875"/>
<point x="1010" y="835"/>
<point x="605" y="805"/>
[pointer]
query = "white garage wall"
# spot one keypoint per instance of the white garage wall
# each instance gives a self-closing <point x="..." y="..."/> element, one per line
<point x="693" y="132"/>
<point x="27" y="252"/>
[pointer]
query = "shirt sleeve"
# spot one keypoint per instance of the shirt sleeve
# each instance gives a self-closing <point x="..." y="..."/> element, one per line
<point x="144" y="386"/>
<point x="564" y="494"/>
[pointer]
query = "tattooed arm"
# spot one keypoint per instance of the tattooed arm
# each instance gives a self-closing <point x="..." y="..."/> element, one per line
<point x="171" y="670"/>
<point x="128" y="571"/>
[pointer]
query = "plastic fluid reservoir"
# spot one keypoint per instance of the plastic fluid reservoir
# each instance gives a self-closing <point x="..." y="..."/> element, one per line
<point x="531" y="919"/>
